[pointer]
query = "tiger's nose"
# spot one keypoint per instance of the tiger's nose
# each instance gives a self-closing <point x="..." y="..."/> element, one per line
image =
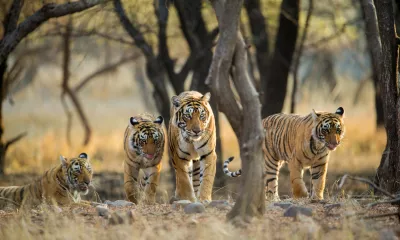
<point x="196" y="130"/>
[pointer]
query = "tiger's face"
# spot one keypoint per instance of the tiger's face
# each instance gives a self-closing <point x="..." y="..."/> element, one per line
<point x="329" y="128"/>
<point x="78" y="172"/>
<point x="192" y="116"/>
<point x="148" y="137"/>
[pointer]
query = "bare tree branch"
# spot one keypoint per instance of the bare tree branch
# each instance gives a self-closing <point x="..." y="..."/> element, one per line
<point x="105" y="69"/>
<point x="346" y="176"/>
<point x="298" y="56"/>
<point x="14" y="140"/>
<point x="65" y="85"/>
<point x="11" y="19"/>
<point x="132" y="30"/>
<point x="11" y="40"/>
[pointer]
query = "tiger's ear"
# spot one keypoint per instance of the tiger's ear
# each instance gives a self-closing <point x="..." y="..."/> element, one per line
<point x="340" y="111"/>
<point x="159" y="120"/>
<point x="134" y="121"/>
<point x="175" y="101"/>
<point x="206" y="97"/>
<point x="83" y="155"/>
<point x="63" y="160"/>
<point x="315" y="115"/>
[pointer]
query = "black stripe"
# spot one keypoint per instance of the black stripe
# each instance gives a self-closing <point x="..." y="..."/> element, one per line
<point x="311" y="145"/>
<point x="184" y="159"/>
<point x="270" y="180"/>
<point x="272" y="173"/>
<point x="21" y="193"/>
<point x="319" y="165"/>
<point x="304" y="155"/>
<point x="205" y="142"/>
<point x="322" y="157"/>
<point x="266" y="162"/>
<point x="195" y="174"/>
<point x="197" y="169"/>
<point x="183" y="151"/>
<point x="196" y="185"/>
<point x="205" y="155"/>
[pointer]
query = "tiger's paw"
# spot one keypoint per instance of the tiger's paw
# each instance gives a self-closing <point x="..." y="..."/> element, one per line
<point x="272" y="197"/>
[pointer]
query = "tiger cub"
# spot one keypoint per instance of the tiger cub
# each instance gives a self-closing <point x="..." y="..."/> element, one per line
<point x="302" y="142"/>
<point x="62" y="185"/>
<point x="192" y="142"/>
<point x="144" y="146"/>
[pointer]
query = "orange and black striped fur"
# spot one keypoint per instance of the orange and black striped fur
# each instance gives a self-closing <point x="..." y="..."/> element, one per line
<point x="144" y="147"/>
<point x="192" y="145"/>
<point x="61" y="185"/>
<point x="302" y="142"/>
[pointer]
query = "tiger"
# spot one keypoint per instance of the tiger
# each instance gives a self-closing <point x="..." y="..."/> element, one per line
<point x="61" y="185"/>
<point x="144" y="147"/>
<point x="192" y="142"/>
<point x="304" y="142"/>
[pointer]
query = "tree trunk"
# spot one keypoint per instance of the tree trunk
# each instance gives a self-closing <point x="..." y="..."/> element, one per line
<point x="375" y="71"/>
<point x="230" y="54"/>
<point x="259" y="37"/>
<point x="275" y="87"/>
<point x="3" y="68"/>
<point x="388" y="172"/>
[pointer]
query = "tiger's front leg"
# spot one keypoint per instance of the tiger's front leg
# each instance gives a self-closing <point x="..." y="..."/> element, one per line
<point x="318" y="177"/>
<point x="208" y="169"/>
<point x="131" y="186"/>
<point x="184" y="188"/>
<point x="153" y="173"/>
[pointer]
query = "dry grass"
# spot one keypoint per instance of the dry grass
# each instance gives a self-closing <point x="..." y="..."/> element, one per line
<point x="160" y="221"/>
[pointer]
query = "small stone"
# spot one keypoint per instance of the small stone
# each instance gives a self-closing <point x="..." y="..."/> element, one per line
<point x="194" y="208"/>
<point x="219" y="204"/>
<point x="387" y="234"/>
<point x="56" y="209"/>
<point x="283" y="205"/>
<point x="119" y="203"/>
<point x="284" y="197"/>
<point x="293" y="211"/>
<point x="173" y="199"/>
<point x="180" y="204"/>
<point x="102" y="210"/>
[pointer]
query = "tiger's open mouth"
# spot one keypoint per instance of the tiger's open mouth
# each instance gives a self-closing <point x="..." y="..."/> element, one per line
<point x="148" y="156"/>
<point x="331" y="146"/>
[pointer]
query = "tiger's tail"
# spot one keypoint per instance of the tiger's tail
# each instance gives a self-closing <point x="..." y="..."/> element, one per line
<point x="11" y="195"/>
<point x="229" y="173"/>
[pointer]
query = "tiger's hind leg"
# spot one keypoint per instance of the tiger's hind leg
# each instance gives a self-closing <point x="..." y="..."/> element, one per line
<point x="196" y="177"/>
<point x="296" y="178"/>
<point x="153" y="175"/>
<point x="272" y="167"/>
<point x="131" y="186"/>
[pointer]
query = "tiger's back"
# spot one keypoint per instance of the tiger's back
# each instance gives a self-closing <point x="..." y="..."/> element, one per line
<point x="303" y="142"/>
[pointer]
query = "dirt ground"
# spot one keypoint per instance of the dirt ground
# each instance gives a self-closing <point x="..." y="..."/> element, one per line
<point x="333" y="219"/>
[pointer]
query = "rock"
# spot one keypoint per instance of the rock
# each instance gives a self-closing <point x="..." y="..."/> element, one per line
<point x="180" y="204"/>
<point x="56" y="209"/>
<point x="102" y="210"/>
<point x="283" y="205"/>
<point x="293" y="211"/>
<point x="219" y="204"/>
<point x="121" y="217"/>
<point x="194" y="208"/>
<point x="119" y="203"/>
<point x="387" y="234"/>
<point x="173" y="199"/>
<point x="284" y="197"/>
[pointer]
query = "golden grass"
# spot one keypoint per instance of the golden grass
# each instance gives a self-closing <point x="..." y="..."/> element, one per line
<point x="161" y="221"/>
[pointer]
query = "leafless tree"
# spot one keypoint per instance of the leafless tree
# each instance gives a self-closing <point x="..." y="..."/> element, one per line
<point x="230" y="61"/>
<point x="381" y="34"/>
<point x="14" y="33"/>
